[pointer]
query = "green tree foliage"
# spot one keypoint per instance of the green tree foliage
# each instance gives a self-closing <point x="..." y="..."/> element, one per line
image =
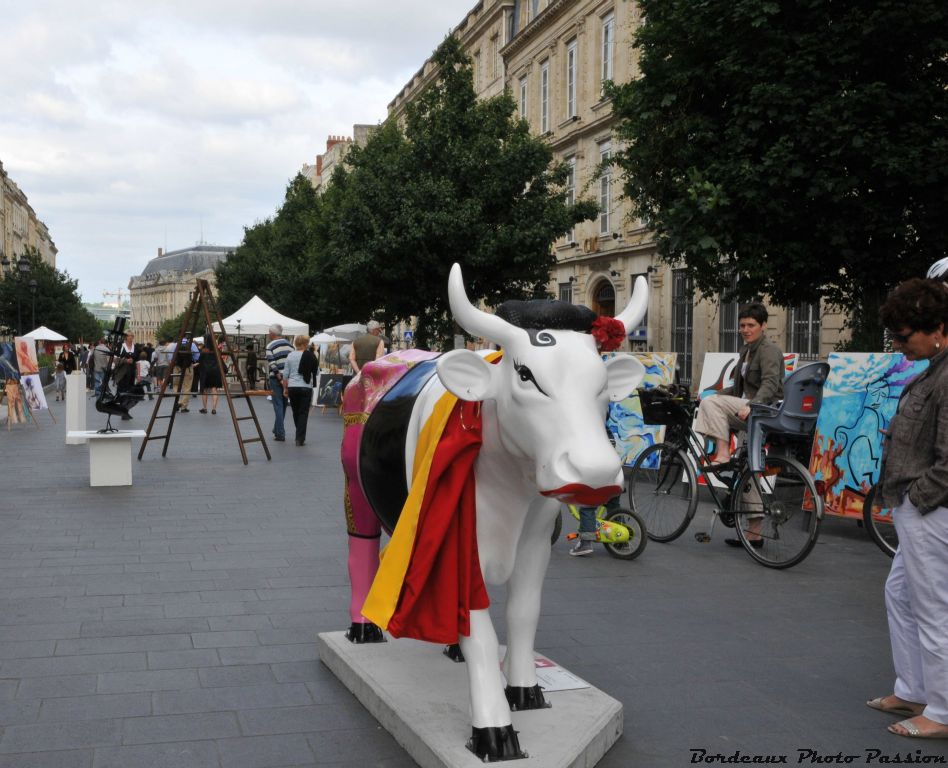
<point x="465" y="181"/>
<point x="800" y="146"/>
<point x="170" y="328"/>
<point x="57" y="302"/>
<point x="276" y="259"/>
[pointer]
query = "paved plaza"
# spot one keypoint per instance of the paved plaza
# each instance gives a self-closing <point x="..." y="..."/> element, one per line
<point x="173" y="623"/>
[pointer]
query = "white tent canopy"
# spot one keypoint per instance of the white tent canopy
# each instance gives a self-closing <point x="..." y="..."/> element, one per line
<point x="346" y="331"/>
<point x="44" y="334"/>
<point x="325" y="338"/>
<point x="256" y="316"/>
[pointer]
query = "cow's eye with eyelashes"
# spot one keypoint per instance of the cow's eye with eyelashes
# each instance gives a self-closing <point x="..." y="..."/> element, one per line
<point x="526" y="374"/>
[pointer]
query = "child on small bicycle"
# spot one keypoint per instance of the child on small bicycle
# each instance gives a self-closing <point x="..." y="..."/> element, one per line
<point x="587" y="528"/>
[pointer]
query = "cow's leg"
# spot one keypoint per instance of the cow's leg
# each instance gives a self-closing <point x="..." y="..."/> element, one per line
<point x="492" y="734"/>
<point x="523" y="606"/>
<point x="363" y="564"/>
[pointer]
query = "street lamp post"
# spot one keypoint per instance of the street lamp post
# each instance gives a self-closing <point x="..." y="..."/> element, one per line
<point x="33" y="294"/>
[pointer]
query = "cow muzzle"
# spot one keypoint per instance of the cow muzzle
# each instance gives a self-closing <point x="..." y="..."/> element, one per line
<point x="584" y="495"/>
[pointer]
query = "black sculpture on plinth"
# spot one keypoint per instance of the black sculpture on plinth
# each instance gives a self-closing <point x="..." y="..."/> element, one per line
<point x="116" y="403"/>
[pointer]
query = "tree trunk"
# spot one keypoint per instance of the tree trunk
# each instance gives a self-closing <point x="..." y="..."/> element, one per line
<point x="864" y="323"/>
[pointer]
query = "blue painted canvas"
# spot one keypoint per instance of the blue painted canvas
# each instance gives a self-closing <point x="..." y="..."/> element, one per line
<point x="624" y="422"/>
<point x="859" y="399"/>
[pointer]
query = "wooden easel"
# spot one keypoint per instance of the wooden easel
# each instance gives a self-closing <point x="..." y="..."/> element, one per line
<point x="203" y="308"/>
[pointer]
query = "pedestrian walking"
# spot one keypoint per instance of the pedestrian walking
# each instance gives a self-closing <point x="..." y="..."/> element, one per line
<point x="299" y="374"/>
<point x="278" y="349"/>
<point x="60" y="380"/>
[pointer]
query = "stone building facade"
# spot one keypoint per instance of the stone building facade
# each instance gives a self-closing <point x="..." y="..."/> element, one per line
<point x="337" y="147"/>
<point x="164" y="287"/>
<point x="553" y="56"/>
<point x="19" y="226"/>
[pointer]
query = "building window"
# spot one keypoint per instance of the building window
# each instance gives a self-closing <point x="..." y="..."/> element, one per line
<point x="545" y="97"/>
<point x="605" y="187"/>
<point x="523" y="98"/>
<point x="571" y="78"/>
<point x="566" y="292"/>
<point x="512" y="21"/>
<point x="494" y="57"/>
<point x="608" y="45"/>
<point x="570" y="191"/>
<point x="534" y="9"/>
<point x="683" y="308"/>
<point x="804" y="330"/>
<point x="478" y="71"/>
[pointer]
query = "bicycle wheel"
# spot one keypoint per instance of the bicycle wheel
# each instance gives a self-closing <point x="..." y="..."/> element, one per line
<point x="784" y="516"/>
<point x="663" y="490"/>
<point x="632" y="548"/>
<point x="879" y="523"/>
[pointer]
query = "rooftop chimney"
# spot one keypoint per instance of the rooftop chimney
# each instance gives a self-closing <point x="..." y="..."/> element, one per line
<point x="160" y="252"/>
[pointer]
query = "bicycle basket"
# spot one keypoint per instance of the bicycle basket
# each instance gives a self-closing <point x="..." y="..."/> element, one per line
<point x="659" y="408"/>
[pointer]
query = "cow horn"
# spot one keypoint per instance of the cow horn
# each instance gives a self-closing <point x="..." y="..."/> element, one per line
<point x="635" y="310"/>
<point x="469" y="317"/>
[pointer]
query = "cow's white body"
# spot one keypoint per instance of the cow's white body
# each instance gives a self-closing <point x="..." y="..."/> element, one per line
<point x="543" y="410"/>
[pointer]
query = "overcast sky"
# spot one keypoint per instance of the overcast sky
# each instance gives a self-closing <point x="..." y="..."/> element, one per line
<point x="130" y="126"/>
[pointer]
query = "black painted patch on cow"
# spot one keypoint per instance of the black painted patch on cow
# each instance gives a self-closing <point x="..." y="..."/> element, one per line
<point x="382" y="469"/>
<point x="539" y="315"/>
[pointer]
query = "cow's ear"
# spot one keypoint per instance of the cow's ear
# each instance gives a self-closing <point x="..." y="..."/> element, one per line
<point x="467" y="375"/>
<point x="625" y="374"/>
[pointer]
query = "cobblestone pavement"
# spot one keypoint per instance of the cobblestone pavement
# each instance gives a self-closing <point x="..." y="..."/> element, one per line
<point x="172" y="623"/>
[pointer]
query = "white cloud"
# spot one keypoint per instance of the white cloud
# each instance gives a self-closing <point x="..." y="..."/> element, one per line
<point x="133" y="127"/>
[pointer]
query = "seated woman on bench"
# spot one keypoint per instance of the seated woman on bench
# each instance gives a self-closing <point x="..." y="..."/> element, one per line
<point x="758" y="378"/>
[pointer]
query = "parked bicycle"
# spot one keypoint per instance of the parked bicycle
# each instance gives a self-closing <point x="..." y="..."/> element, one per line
<point x="771" y="500"/>
<point x="878" y="523"/>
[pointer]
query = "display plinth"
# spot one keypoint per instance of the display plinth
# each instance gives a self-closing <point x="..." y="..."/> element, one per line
<point x="421" y="698"/>
<point x="75" y="407"/>
<point x="110" y="455"/>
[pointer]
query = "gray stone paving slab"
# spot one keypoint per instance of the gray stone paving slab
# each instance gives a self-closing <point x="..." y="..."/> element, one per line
<point x="73" y="758"/>
<point x="178" y="754"/>
<point x="266" y="751"/>
<point x="205" y="556"/>
<point x="168" y="728"/>
<point x="100" y="706"/>
<point x="47" y="737"/>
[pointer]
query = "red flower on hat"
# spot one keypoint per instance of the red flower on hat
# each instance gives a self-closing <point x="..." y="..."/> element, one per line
<point x="608" y="332"/>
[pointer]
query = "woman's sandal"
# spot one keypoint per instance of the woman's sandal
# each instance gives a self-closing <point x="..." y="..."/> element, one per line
<point x="913" y="731"/>
<point x="904" y="710"/>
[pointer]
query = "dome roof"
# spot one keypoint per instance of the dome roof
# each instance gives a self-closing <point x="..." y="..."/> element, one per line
<point x="195" y="259"/>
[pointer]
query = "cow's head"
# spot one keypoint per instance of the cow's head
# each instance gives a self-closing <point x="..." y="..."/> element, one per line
<point x="552" y="391"/>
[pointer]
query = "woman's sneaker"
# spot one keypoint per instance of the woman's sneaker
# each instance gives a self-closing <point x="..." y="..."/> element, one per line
<point x="581" y="547"/>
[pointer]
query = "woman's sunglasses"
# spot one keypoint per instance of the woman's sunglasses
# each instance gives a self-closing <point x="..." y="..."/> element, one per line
<point x="902" y="338"/>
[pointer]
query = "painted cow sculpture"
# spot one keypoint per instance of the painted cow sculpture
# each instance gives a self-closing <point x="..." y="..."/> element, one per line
<point x="543" y="406"/>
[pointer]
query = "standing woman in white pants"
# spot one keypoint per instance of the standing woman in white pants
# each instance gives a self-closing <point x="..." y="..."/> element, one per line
<point x="914" y="482"/>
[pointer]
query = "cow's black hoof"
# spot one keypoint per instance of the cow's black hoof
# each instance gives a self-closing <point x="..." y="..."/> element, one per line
<point x="454" y="653"/>
<point x="364" y="632"/>
<point x="520" y="697"/>
<point x="495" y="744"/>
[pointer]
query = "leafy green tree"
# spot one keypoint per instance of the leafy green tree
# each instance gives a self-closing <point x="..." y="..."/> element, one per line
<point x="170" y="328"/>
<point x="799" y="146"/>
<point x="56" y="300"/>
<point x="276" y="259"/>
<point x="464" y="181"/>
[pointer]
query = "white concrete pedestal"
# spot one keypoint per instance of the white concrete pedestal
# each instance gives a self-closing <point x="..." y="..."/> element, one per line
<point x="75" y="407"/>
<point x="110" y="455"/>
<point x="421" y="697"/>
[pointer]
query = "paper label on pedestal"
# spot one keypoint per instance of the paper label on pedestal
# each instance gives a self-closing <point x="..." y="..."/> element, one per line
<point x="551" y="676"/>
